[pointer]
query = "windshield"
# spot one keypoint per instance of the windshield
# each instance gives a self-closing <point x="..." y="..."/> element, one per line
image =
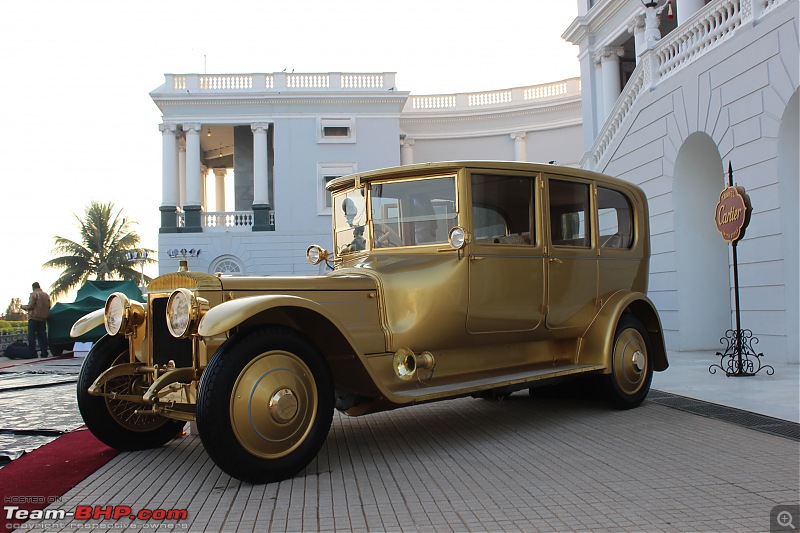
<point x="404" y="213"/>
<point x="416" y="212"/>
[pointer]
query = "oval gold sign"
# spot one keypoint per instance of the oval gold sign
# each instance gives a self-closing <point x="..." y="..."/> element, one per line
<point x="732" y="213"/>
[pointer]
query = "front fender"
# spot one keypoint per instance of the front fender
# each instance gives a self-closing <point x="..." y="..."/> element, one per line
<point x="87" y="323"/>
<point x="598" y="340"/>
<point x="230" y="314"/>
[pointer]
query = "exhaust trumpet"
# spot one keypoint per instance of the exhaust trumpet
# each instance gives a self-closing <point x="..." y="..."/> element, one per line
<point x="406" y="363"/>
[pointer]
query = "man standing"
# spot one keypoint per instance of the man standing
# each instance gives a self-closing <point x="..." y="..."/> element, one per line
<point x="38" y="309"/>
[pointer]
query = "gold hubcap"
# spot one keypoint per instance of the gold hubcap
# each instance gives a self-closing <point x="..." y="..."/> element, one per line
<point x="274" y="404"/>
<point x="283" y="406"/>
<point x="630" y="361"/>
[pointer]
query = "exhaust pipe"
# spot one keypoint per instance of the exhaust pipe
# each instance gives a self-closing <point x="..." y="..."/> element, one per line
<point x="406" y="363"/>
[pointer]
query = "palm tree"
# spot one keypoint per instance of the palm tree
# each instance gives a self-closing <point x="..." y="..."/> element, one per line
<point x="105" y="237"/>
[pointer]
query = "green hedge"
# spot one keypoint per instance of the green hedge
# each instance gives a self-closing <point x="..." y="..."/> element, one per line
<point x="13" y="326"/>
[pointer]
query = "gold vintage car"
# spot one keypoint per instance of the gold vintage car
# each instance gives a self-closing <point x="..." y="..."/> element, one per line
<point x="446" y="280"/>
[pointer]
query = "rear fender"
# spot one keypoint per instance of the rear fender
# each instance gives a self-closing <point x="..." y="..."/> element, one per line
<point x="597" y="343"/>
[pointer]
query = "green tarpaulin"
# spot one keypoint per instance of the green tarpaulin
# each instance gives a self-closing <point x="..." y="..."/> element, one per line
<point x="90" y="297"/>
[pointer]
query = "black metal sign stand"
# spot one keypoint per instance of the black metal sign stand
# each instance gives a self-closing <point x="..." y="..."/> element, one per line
<point x="739" y="358"/>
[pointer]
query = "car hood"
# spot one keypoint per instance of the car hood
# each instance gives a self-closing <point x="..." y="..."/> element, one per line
<point x="332" y="282"/>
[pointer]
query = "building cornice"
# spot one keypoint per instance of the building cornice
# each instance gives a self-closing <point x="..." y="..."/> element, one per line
<point x="582" y="27"/>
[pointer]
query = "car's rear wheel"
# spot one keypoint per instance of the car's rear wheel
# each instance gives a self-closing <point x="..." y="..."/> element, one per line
<point x="265" y="405"/>
<point x="118" y="423"/>
<point x="631" y="364"/>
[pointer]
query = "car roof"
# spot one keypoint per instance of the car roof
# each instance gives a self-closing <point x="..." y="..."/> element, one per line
<point x="416" y="170"/>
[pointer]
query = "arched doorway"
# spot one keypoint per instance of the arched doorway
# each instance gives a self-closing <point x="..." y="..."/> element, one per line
<point x="788" y="177"/>
<point x="702" y="256"/>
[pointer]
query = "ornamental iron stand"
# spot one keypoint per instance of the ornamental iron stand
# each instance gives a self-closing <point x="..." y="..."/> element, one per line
<point x="739" y="358"/>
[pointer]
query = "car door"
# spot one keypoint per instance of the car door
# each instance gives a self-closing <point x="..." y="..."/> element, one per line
<point x="572" y="254"/>
<point x="506" y="258"/>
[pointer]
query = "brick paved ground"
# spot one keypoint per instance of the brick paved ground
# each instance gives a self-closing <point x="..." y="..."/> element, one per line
<point x="477" y="465"/>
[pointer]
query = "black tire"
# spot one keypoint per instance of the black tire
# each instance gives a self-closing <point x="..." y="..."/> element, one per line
<point x="265" y="405"/>
<point x="113" y="421"/>
<point x="59" y="349"/>
<point x="631" y="364"/>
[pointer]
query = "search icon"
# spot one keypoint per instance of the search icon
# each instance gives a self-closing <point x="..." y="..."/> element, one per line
<point x="785" y="519"/>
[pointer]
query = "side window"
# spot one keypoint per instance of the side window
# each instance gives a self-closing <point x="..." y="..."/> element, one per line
<point x="569" y="214"/>
<point x="614" y="218"/>
<point x="502" y="209"/>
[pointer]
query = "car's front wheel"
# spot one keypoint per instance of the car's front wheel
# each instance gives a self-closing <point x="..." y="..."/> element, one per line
<point x="631" y="364"/>
<point x="265" y="405"/>
<point x="119" y="423"/>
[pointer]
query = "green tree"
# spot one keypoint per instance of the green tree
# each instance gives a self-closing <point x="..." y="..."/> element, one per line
<point x="105" y="238"/>
<point x="14" y="311"/>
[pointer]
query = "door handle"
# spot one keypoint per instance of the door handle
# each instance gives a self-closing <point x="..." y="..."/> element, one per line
<point x="555" y="260"/>
<point x="476" y="258"/>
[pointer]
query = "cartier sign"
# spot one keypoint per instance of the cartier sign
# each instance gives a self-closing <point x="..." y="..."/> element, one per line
<point x="733" y="213"/>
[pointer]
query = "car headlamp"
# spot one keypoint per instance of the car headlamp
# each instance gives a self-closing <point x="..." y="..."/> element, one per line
<point x="184" y="311"/>
<point x="122" y="315"/>
<point x="316" y="254"/>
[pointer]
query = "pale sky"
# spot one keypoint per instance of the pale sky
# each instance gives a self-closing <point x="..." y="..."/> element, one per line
<point x="78" y="123"/>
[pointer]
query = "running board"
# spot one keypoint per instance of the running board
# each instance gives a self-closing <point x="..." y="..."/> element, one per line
<point x="462" y="388"/>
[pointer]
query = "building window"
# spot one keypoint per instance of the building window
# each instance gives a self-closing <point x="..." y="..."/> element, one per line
<point x="327" y="172"/>
<point x="336" y="130"/>
<point x="227" y="264"/>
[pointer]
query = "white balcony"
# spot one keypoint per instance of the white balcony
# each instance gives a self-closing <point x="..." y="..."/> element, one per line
<point x="220" y="221"/>
<point x="276" y="82"/>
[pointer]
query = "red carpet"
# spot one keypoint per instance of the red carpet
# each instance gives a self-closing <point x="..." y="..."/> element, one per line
<point x="37" y="478"/>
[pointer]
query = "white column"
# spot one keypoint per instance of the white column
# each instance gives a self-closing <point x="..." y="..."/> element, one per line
<point x="219" y="174"/>
<point x="169" y="165"/>
<point x="520" y="146"/>
<point x="182" y="168"/>
<point x="609" y="63"/>
<point x="406" y="150"/>
<point x="194" y="187"/>
<point x="636" y="27"/>
<point x="260" y="164"/>
<point x="687" y="8"/>
<point x="204" y="172"/>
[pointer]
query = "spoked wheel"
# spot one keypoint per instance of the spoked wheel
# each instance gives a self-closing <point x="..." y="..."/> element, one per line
<point x="631" y="364"/>
<point x="265" y="405"/>
<point x="115" y="422"/>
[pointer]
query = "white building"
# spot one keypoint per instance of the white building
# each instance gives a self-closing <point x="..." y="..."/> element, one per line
<point x="669" y="113"/>
<point x="272" y="141"/>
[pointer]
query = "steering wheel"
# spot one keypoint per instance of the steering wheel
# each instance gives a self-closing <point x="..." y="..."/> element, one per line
<point x="386" y="237"/>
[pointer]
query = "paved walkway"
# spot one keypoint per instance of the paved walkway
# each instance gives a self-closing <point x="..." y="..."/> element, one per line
<point x="474" y="465"/>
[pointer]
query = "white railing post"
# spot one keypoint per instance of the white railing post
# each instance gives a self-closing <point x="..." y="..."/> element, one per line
<point x="192" y="83"/>
<point x="280" y="81"/>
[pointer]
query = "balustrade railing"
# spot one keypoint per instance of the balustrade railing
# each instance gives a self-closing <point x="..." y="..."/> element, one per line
<point x="708" y="28"/>
<point x="278" y="81"/>
<point x="224" y="220"/>
<point x="489" y="99"/>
